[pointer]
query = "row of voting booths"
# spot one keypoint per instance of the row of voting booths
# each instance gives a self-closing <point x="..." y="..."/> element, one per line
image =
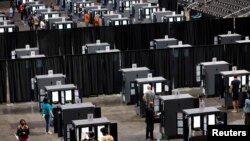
<point x="52" y="19"/>
<point x="230" y="38"/>
<point x="215" y="78"/>
<point x="72" y="118"/>
<point x="26" y="53"/>
<point x="129" y="11"/>
<point x="7" y="26"/>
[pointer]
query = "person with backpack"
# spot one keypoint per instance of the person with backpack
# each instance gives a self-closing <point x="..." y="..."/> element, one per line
<point x="31" y="22"/>
<point x="106" y="136"/>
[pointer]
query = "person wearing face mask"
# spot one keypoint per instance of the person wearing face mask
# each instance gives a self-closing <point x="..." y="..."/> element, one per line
<point x="23" y="131"/>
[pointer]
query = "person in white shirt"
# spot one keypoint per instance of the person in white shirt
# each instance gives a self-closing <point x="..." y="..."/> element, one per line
<point x="42" y="24"/>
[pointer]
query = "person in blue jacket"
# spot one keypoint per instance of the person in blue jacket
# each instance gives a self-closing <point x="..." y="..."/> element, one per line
<point x="47" y="114"/>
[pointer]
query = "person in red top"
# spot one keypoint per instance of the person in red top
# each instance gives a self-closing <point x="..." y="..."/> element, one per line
<point x="86" y="18"/>
<point x="96" y="20"/>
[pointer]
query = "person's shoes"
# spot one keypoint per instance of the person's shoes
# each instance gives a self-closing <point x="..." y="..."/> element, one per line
<point x="234" y="111"/>
<point x="49" y="133"/>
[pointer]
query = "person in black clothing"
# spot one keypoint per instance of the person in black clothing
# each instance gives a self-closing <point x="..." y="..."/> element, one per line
<point x="150" y="116"/>
<point x="23" y="131"/>
<point x="235" y="85"/>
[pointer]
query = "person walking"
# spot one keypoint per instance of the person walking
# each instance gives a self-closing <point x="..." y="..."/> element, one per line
<point x="86" y="18"/>
<point x="246" y="110"/>
<point x="97" y="20"/>
<point x="22" y="131"/>
<point x="150" y="117"/>
<point x="235" y="85"/>
<point x="47" y="114"/>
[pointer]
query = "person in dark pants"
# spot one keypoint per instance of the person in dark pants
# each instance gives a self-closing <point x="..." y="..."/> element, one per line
<point x="246" y="110"/>
<point x="150" y="116"/>
<point x="235" y="85"/>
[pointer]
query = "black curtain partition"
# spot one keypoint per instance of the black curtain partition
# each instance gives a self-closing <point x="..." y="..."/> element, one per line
<point x="94" y="73"/>
<point x="200" y="32"/>
<point x="3" y="81"/>
<point x="168" y="4"/>
<point x="238" y="55"/>
<point x="55" y="42"/>
<point x="242" y="26"/>
<point x="21" y="72"/>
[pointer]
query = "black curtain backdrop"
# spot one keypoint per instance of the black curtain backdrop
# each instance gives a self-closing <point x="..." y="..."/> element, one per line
<point x="3" y="86"/>
<point x="94" y="73"/>
<point x="200" y="32"/>
<point x="55" y="42"/>
<point x="238" y="55"/>
<point x="242" y="26"/>
<point x="21" y="72"/>
<point x="168" y="4"/>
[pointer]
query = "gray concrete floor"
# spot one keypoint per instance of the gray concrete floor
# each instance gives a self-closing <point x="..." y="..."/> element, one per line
<point x="130" y="126"/>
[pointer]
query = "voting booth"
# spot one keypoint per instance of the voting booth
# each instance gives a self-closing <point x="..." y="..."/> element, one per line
<point x="246" y="40"/>
<point x="160" y="86"/>
<point x="206" y="73"/>
<point x="8" y="28"/>
<point x="128" y="82"/>
<point x="134" y="11"/>
<point x="64" y="25"/>
<point x="228" y="38"/>
<point x="82" y="127"/>
<point x="66" y="113"/>
<point x="93" y="47"/>
<point x="164" y="42"/>
<point x="106" y="17"/>
<point x="61" y="94"/>
<point x="50" y="14"/>
<point x="17" y="53"/>
<point x="145" y="13"/>
<point x="158" y="15"/>
<point x="196" y="121"/>
<point x="171" y="108"/>
<point x="173" y="18"/>
<point x="227" y="77"/>
<point x="79" y="5"/>
<point x="40" y="81"/>
<point x="119" y="21"/>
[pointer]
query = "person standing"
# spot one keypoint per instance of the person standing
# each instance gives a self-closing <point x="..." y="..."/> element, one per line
<point x="47" y="114"/>
<point x="235" y="85"/>
<point x="150" y="116"/>
<point x="97" y="20"/>
<point x="106" y="136"/>
<point x="31" y="22"/>
<point x="86" y="18"/>
<point x="23" y="131"/>
<point x="149" y="95"/>
<point x="246" y="110"/>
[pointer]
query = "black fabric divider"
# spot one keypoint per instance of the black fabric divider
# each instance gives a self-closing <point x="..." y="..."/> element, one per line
<point x="168" y="4"/>
<point x="3" y="77"/>
<point x="200" y="32"/>
<point x="238" y="55"/>
<point x="56" y="42"/>
<point x="94" y="73"/>
<point x="242" y="26"/>
<point x="21" y="72"/>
